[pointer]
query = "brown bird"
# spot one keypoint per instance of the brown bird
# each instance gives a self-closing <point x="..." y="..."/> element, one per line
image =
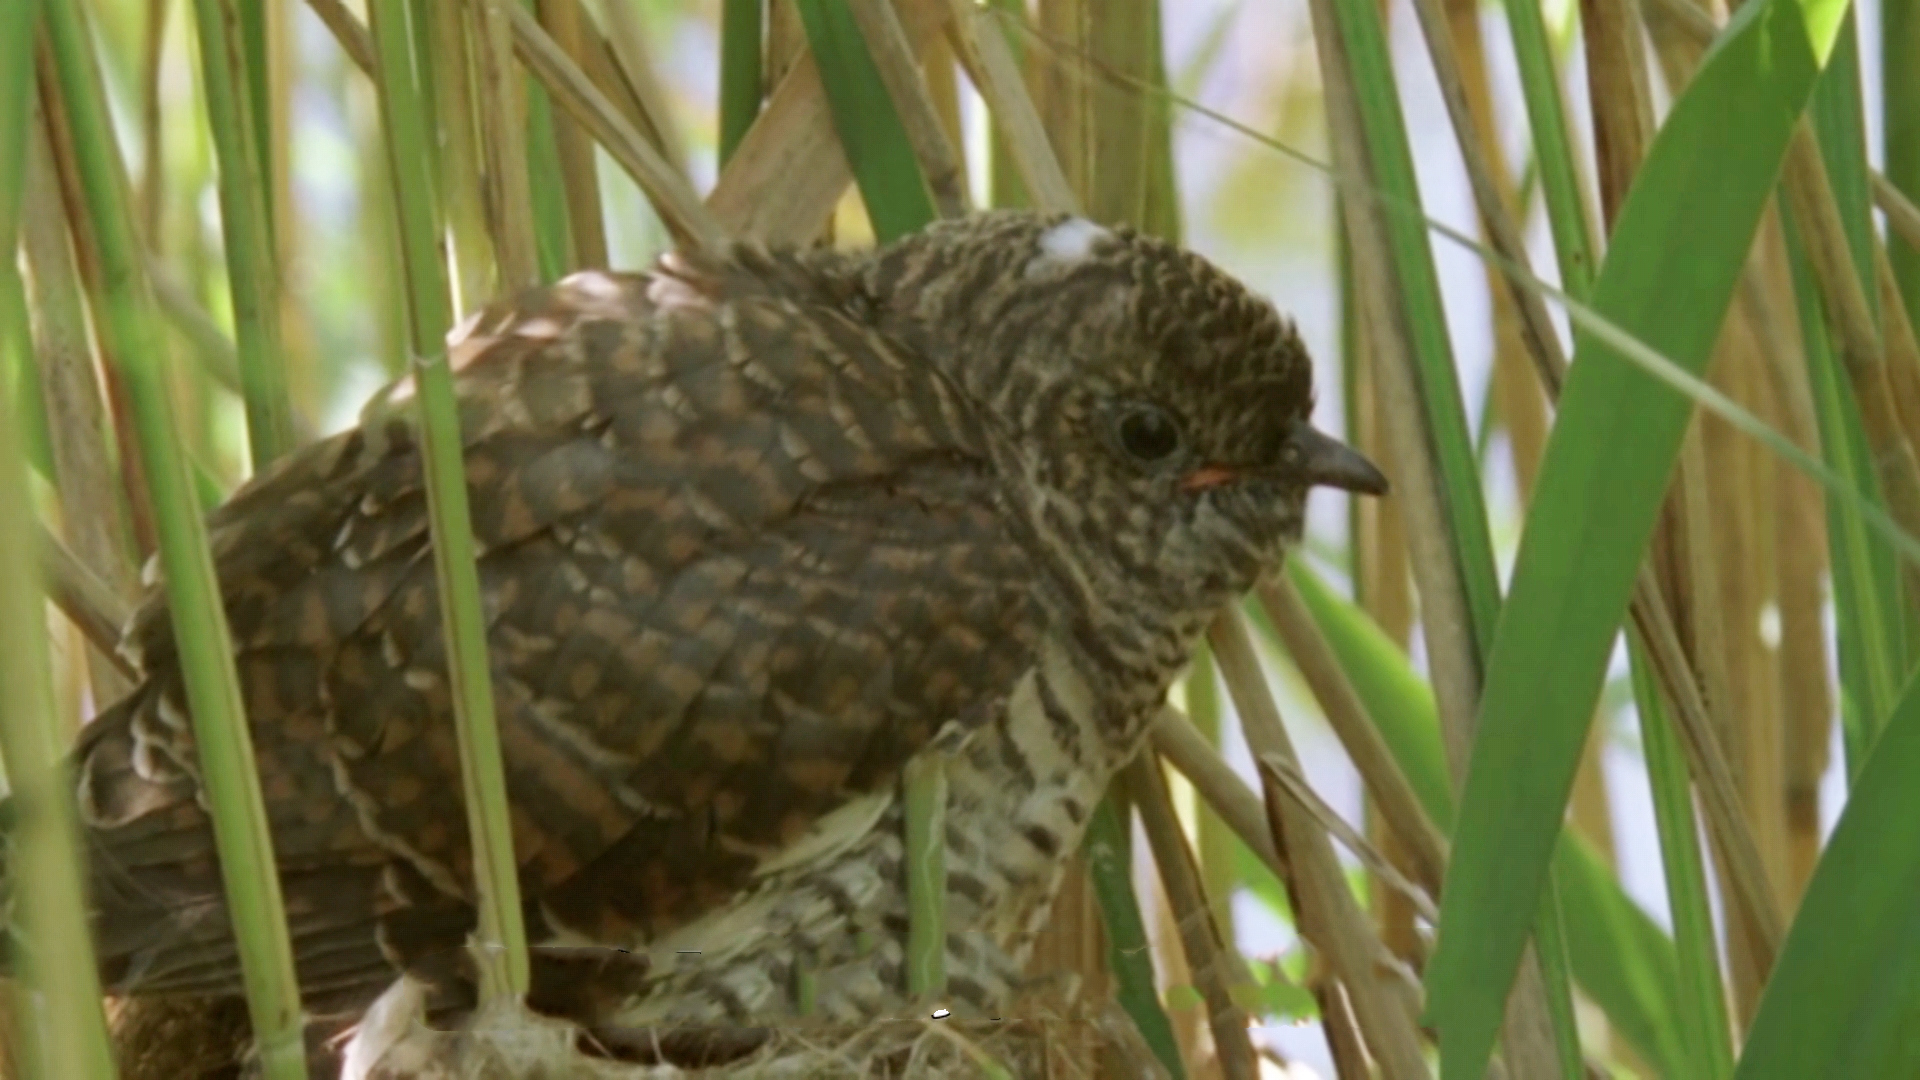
<point x="754" y="530"/>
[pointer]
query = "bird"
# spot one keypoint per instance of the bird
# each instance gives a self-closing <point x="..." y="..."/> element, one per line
<point x="755" y="528"/>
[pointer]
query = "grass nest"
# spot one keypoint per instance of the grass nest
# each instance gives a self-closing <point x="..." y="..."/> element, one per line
<point x="513" y="1043"/>
<point x="1054" y="1034"/>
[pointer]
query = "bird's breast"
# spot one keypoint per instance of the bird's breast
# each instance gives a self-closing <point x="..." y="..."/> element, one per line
<point x="825" y="933"/>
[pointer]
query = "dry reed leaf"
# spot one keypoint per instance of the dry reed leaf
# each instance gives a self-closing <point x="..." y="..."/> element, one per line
<point x="1176" y="739"/>
<point x="1294" y="785"/>
<point x="1386" y="783"/>
<point x="1325" y="911"/>
<point x="1903" y="218"/>
<point x="895" y="57"/>
<point x="501" y="118"/>
<point x="1213" y="966"/>
<point x="89" y="602"/>
<point x="474" y="278"/>
<point x="645" y="98"/>
<point x="573" y="135"/>
<point x="672" y="197"/>
<point x="983" y="52"/>
<point x="789" y="169"/>
<point x="1618" y="88"/>
<point x="349" y="31"/>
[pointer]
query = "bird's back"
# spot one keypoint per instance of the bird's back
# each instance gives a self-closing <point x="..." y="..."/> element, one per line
<point x="740" y="557"/>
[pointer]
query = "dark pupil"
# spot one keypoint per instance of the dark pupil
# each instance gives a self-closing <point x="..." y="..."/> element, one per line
<point x="1149" y="434"/>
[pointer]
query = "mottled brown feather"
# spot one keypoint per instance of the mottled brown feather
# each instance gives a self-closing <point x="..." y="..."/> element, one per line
<point x="750" y="531"/>
<point x="734" y="567"/>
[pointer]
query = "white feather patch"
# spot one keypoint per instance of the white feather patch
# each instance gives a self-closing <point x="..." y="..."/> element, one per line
<point x="385" y="1025"/>
<point x="1072" y="241"/>
<point x="832" y="833"/>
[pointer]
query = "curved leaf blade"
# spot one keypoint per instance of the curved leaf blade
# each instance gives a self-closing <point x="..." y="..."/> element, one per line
<point x="1845" y="991"/>
<point x="1709" y="175"/>
<point x="1621" y="959"/>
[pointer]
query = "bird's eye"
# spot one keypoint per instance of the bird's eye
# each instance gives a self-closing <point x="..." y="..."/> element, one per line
<point x="1148" y="433"/>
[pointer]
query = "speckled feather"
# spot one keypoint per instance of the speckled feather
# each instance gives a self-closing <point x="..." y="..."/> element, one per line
<point x="752" y="531"/>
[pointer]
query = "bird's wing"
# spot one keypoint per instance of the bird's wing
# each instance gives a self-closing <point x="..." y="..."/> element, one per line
<point x="735" y="554"/>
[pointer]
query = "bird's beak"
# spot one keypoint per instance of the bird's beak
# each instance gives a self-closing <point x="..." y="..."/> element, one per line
<point x="1319" y="459"/>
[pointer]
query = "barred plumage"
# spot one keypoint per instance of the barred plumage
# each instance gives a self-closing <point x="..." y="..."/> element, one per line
<point x="753" y="531"/>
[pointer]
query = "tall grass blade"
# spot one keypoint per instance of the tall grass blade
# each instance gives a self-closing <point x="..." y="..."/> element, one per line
<point x="579" y="180"/>
<point x="53" y="953"/>
<point x="1391" y="171"/>
<point x="1620" y="958"/>
<point x="50" y="939"/>
<point x="1900" y="122"/>
<point x="925" y="783"/>
<point x="1838" y="114"/>
<point x="875" y="141"/>
<point x="1552" y="157"/>
<point x="19" y="373"/>
<point x="1875" y="623"/>
<point x="1703" y="1002"/>
<point x="1866" y="583"/>
<point x="1128" y="951"/>
<point x="1004" y="185"/>
<point x="1600" y="489"/>
<point x="741" y="38"/>
<point x="553" y="235"/>
<point x="131" y="332"/>
<point x="1847" y="984"/>
<point x="246" y="226"/>
<point x="501" y="932"/>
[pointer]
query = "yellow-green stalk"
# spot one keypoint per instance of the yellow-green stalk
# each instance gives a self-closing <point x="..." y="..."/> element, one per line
<point x="253" y="273"/>
<point x="131" y="331"/>
<point x="501" y="934"/>
<point x="740" y="71"/>
<point x="65" y="1033"/>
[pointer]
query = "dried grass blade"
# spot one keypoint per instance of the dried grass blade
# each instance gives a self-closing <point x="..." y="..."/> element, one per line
<point x="626" y="43"/>
<point x="1208" y="958"/>
<point x="983" y="51"/>
<point x="81" y="596"/>
<point x="348" y="30"/>
<point x="1624" y="962"/>
<point x="129" y="329"/>
<point x="1543" y="343"/>
<point x="501" y="955"/>
<point x="1903" y="218"/>
<point x="1324" y="907"/>
<point x="501" y="111"/>
<point x="789" y="169"/>
<point x="894" y="57"/>
<point x="1386" y="783"/>
<point x="672" y="197"/>
<point x="1594" y="509"/>
<point x="1186" y="749"/>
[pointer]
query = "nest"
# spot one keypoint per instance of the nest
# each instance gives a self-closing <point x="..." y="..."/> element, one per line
<point x="1055" y="1035"/>
<point x="511" y="1043"/>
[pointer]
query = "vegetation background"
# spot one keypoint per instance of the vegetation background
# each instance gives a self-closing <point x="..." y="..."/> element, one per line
<point x="1620" y="293"/>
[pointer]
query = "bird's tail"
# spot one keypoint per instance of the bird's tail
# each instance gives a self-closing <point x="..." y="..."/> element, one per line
<point x="156" y="896"/>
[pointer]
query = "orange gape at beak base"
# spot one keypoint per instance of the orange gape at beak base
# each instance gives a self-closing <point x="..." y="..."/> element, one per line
<point x="1208" y="476"/>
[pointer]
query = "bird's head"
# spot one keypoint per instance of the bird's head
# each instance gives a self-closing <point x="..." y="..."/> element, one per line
<point x="1158" y="410"/>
